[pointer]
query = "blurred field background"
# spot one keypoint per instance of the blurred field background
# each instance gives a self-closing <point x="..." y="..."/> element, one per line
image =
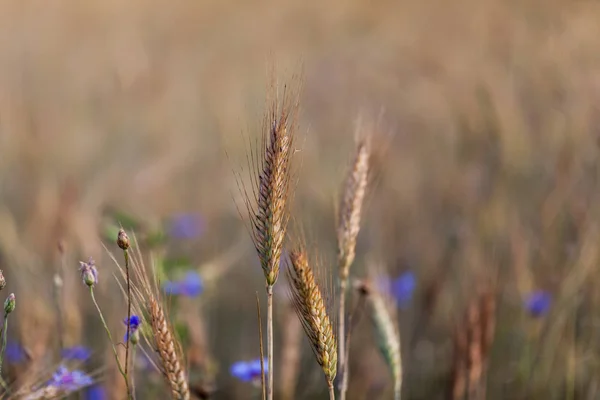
<point x="491" y="108"/>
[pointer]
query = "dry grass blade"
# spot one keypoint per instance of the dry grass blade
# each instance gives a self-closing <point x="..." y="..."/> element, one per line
<point x="310" y="307"/>
<point x="387" y="331"/>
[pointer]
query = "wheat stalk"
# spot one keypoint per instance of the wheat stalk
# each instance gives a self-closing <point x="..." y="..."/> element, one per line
<point x="347" y="231"/>
<point x="267" y="202"/>
<point x="310" y="308"/>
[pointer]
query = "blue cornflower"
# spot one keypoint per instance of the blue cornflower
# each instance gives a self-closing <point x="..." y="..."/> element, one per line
<point x="69" y="381"/>
<point x="247" y="371"/>
<point x="538" y="303"/>
<point x="190" y="285"/>
<point x="79" y="353"/>
<point x="402" y="288"/>
<point x="186" y="226"/>
<point x="15" y="353"/>
<point x="95" y="392"/>
<point x="134" y="324"/>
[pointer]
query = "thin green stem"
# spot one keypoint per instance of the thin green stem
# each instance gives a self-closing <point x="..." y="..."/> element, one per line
<point x="4" y="335"/>
<point x="112" y="343"/>
<point x="132" y="371"/>
<point x="270" y="341"/>
<point x="58" y="301"/>
<point x="342" y="355"/>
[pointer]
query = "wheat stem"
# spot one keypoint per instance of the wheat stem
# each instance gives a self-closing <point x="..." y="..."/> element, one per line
<point x="262" y="353"/>
<point x="342" y="337"/>
<point x="331" y="392"/>
<point x="270" y="341"/>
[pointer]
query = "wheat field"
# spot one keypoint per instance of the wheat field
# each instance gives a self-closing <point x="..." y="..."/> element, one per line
<point x="482" y="201"/>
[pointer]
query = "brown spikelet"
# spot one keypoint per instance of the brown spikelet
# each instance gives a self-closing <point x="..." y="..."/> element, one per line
<point x="351" y="205"/>
<point x="168" y="351"/>
<point x="267" y="202"/>
<point x="310" y="307"/>
<point x="472" y="342"/>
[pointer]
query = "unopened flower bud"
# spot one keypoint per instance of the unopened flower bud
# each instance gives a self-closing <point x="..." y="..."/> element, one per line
<point x="89" y="274"/>
<point x="2" y="280"/>
<point x="122" y="239"/>
<point x="9" y="303"/>
<point x="135" y="337"/>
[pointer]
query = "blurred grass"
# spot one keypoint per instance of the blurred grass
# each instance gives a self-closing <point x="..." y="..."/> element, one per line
<point x="492" y="168"/>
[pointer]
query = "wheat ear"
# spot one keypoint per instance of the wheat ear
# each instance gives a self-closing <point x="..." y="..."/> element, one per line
<point x="168" y="351"/>
<point x="387" y="332"/>
<point x="310" y="308"/>
<point x="267" y="202"/>
<point x="347" y="230"/>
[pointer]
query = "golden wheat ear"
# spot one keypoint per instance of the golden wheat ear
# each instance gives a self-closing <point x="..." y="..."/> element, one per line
<point x="308" y="301"/>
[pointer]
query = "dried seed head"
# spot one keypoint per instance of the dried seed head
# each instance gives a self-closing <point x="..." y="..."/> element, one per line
<point x="2" y="280"/>
<point x="351" y="206"/>
<point x="9" y="304"/>
<point x="310" y="308"/>
<point x="268" y="201"/>
<point x="123" y="239"/>
<point x="168" y="350"/>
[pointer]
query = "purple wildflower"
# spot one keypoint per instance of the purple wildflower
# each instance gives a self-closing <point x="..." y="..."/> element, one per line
<point x="69" y="381"/>
<point x="248" y="371"/>
<point x="79" y="353"/>
<point x="402" y="288"/>
<point x="186" y="226"/>
<point x="190" y="285"/>
<point x="95" y="392"/>
<point x="15" y="353"/>
<point x="134" y="324"/>
<point x="538" y="303"/>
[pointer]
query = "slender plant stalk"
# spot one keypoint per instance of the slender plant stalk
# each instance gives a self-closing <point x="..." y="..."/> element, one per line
<point x="262" y="353"/>
<point x="331" y="392"/>
<point x="58" y="301"/>
<point x="112" y="344"/>
<point x="270" y="340"/>
<point x="342" y="335"/>
<point x="126" y="255"/>
<point x="4" y="335"/>
<point x="132" y="371"/>
<point x="123" y="243"/>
